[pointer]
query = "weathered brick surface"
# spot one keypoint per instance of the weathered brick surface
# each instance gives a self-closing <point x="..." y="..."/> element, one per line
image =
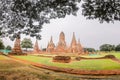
<point x="62" y="59"/>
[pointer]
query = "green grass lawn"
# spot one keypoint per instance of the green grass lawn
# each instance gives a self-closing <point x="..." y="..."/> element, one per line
<point x="101" y="64"/>
<point x="92" y="56"/>
<point x="116" y="54"/>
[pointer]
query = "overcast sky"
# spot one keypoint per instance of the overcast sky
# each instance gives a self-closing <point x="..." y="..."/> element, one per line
<point x="90" y="32"/>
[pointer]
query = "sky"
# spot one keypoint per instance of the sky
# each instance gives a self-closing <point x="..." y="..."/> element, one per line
<point x="91" y="33"/>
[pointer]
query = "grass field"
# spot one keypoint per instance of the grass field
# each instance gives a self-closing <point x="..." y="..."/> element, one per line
<point x="14" y="70"/>
<point x="102" y="54"/>
<point x="116" y="54"/>
<point x="101" y="64"/>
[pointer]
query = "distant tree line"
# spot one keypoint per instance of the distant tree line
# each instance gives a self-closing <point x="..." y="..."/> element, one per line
<point x="105" y="47"/>
<point x="109" y="47"/>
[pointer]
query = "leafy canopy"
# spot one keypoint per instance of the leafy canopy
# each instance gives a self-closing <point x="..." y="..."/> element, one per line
<point x="19" y="16"/>
<point x="26" y="43"/>
<point x="8" y="47"/>
<point x="1" y="44"/>
<point x="103" y="10"/>
<point x="117" y="48"/>
<point x="107" y="47"/>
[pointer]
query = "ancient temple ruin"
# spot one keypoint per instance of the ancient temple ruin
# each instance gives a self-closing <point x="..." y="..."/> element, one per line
<point x="61" y="46"/>
<point x="50" y="46"/>
<point x="36" y="48"/>
<point x="80" y="48"/>
<point x="17" y="48"/>
<point x="75" y="47"/>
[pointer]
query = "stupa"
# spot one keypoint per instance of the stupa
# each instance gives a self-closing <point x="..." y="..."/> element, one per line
<point x="73" y="47"/>
<point x="16" y="49"/>
<point x="36" y="48"/>
<point x="61" y="47"/>
<point x="80" y="48"/>
<point x="50" y="46"/>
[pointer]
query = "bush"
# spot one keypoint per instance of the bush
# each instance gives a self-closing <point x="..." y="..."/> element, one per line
<point x="109" y="56"/>
<point x="63" y="59"/>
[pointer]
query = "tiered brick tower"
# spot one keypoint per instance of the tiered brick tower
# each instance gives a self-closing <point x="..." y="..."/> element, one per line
<point x="17" y="49"/>
<point x="61" y="47"/>
<point x="80" y="48"/>
<point x="51" y="46"/>
<point x="73" y="46"/>
<point x="36" y="48"/>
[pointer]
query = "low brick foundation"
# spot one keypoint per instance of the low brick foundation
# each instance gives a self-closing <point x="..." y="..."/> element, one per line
<point x="62" y="59"/>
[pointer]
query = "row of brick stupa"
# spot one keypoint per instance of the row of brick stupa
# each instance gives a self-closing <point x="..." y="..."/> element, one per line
<point x="75" y="47"/>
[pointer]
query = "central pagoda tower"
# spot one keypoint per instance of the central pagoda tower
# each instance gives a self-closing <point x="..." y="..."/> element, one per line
<point x="61" y="47"/>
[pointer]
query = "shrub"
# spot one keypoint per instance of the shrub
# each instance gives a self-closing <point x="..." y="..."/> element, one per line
<point x="109" y="56"/>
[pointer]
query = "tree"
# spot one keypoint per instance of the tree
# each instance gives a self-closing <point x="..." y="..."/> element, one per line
<point x="107" y="47"/>
<point x="89" y="49"/>
<point x="19" y="16"/>
<point x="8" y="47"/>
<point x="117" y="48"/>
<point x="1" y="45"/>
<point x="103" y="10"/>
<point x="44" y="49"/>
<point x="26" y="43"/>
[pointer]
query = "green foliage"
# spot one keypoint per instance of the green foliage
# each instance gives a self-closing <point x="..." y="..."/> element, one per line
<point x="107" y="47"/>
<point x="20" y="15"/>
<point x="89" y="49"/>
<point x="26" y="43"/>
<point x="8" y="47"/>
<point x="103" y="10"/>
<point x="1" y="45"/>
<point x="117" y="48"/>
<point x="44" y="49"/>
